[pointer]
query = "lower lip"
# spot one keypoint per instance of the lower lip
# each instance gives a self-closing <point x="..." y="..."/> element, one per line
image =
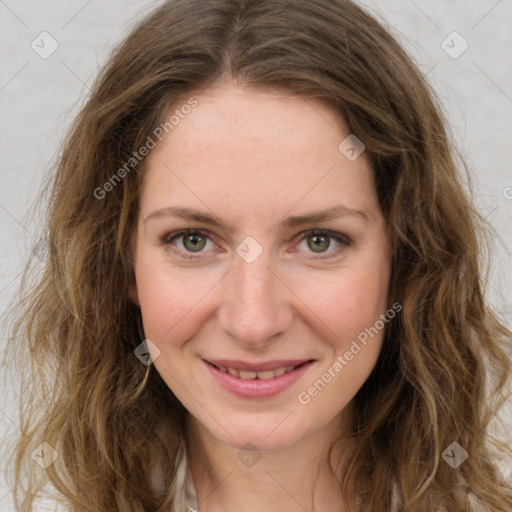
<point x="257" y="388"/>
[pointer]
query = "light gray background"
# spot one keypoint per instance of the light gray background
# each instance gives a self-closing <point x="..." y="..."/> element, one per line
<point x="39" y="98"/>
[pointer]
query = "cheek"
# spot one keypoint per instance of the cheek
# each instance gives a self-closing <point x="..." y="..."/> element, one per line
<point x="349" y="307"/>
<point x="347" y="303"/>
<point x="167" y="299"/>
<point x="355" y="313"/>
<point x="350" y="313"/>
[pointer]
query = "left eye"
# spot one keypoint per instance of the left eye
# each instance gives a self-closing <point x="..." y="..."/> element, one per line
<point x="194" y="241"/>
<point x="319" y="241"/>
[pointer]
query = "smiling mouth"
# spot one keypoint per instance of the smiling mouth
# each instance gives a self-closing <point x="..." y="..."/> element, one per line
<point x="261" y="375"/>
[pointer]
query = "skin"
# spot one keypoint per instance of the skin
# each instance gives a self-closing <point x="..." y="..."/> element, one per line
<point x="253" y="158"/>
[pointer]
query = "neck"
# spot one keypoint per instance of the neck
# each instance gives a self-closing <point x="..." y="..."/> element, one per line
<point x="295" y="478"/>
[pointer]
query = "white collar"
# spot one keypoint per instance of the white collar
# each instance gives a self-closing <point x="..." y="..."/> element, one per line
<point x="186" y="497"/>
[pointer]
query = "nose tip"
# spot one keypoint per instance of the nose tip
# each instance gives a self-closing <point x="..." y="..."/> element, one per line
<point x="255" y="305"/>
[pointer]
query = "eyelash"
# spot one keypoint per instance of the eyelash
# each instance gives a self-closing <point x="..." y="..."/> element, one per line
<point x="343" y="240"/>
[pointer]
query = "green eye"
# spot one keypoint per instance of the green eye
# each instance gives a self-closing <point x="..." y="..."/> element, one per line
<point x="188" y="241"/>
<point x="194" y="242"/>
<point x="319" y="243"/>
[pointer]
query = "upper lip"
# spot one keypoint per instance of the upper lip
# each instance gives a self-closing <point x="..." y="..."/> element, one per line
<point x="257" y="367"/>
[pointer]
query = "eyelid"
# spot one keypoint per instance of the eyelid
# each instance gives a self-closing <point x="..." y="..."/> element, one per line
<point x="342" y="239"/>
<point x="188" y="231"/>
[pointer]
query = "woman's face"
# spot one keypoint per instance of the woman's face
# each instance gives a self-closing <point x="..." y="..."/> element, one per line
<point x="250" y="285"/>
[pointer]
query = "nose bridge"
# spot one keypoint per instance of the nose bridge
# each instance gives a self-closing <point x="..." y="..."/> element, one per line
<point x="255" y="303"/>
<point x="252" y="283"/>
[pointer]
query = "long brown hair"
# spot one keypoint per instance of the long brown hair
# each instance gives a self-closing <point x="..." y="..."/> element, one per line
<point x="443" y="371"/>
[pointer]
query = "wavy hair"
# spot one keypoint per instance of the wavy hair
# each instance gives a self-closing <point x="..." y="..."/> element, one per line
<point x="444" y="369"/>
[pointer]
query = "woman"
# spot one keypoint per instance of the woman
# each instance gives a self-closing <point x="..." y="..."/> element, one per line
<point x="263" y="290"/>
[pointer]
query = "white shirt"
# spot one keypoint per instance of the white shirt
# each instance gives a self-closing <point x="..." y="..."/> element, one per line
<point x="186" y="497"/>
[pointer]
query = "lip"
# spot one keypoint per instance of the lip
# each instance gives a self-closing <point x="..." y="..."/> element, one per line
<point x="256" y="388"/>
<point x="256" y="367"/>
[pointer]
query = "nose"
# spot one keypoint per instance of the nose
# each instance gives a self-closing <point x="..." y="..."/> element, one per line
<point x="256" y="304"/>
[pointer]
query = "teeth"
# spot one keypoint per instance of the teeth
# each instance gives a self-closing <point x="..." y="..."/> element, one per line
<point x="248" y="375"/>
<point x="265" y="375"/>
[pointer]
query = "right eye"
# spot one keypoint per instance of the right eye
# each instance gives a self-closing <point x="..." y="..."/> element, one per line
<point x="191" y="241"/>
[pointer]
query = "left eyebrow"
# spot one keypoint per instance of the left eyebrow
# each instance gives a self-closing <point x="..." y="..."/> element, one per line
<point x="289" y="222"/>
<point x="324" y="215"/>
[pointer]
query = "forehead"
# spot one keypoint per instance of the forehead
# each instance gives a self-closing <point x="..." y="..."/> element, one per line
<point x="258" y="150"/>
<point x="243" y="122"/>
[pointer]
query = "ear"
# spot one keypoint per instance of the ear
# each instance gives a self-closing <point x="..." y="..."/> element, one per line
<point x="133" y="294"/>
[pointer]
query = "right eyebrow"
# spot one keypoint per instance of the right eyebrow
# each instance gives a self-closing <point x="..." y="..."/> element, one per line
<point x="187" y="214"/>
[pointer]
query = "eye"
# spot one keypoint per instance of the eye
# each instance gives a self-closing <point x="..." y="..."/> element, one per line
<point x="189" y="241"/>
<point x="319" y="241"/>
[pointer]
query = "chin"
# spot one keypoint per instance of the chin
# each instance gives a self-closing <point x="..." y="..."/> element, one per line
<point x="277" y="436"/>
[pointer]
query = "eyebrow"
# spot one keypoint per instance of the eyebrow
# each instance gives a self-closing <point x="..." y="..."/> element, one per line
<point x="289" y="222"/>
